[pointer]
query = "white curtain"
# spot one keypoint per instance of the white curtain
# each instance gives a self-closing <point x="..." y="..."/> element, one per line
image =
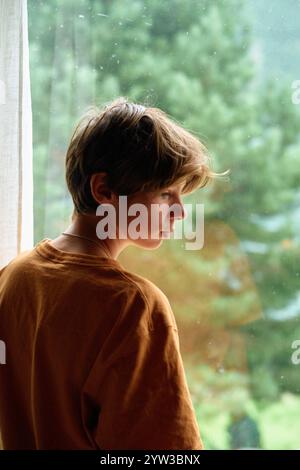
<point x="16" y="181"/>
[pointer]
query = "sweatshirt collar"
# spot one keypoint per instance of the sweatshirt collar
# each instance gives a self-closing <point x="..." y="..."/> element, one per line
<point x="45" y="249"/>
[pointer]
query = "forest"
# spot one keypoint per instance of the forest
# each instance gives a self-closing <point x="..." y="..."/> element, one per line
<point x="224" y="70"/>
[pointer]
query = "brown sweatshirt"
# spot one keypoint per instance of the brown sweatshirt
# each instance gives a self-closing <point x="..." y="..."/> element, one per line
<point x="92" y="357"/>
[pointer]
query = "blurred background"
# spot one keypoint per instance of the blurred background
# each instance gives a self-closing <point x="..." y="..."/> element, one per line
<point x="226" y="70"/>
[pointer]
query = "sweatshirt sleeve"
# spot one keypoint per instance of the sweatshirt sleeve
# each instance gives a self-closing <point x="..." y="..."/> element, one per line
<point x="138" y="383"/>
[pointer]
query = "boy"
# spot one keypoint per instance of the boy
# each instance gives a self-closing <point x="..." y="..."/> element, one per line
<point x="93" y="358"/>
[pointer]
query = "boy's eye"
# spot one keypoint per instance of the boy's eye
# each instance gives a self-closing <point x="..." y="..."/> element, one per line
<point x="165" y="194"/>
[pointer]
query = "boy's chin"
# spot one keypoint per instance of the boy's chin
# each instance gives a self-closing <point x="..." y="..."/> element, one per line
<point x="149" y="244"/>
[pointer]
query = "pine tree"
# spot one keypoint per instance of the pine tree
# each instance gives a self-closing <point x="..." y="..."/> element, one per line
<point x="194" y="60"/>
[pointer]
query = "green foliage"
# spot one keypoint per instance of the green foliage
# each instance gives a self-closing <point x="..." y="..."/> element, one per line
<point x="194" y="60"/>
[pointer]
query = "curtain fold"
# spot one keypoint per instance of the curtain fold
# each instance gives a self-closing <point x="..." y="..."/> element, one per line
<point x="16" y="180"/>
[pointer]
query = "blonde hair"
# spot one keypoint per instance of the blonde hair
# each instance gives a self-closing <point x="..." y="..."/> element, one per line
<point x="140" y="148"/>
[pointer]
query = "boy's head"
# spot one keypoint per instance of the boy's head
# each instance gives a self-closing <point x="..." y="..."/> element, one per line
<point x="138" y="153"/>
<point x="139" y="148"/>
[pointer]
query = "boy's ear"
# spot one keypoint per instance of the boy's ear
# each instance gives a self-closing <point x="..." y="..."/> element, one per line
<point x="99" y="189"/>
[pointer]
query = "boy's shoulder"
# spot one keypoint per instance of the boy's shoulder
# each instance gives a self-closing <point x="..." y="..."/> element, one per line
<point x="126" y="284"/>
<point x="16" y="263"/>
<point x="155" y="299"/>
<point x="146" y="287"/>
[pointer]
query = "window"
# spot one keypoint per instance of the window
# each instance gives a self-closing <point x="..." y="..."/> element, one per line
<point x="228" y="71"/>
